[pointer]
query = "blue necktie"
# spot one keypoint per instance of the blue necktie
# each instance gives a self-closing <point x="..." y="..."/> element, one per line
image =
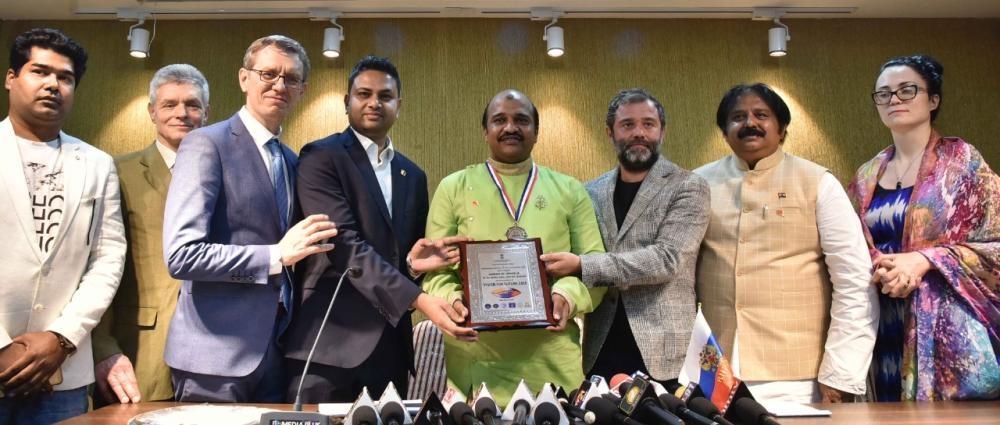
<point x="280" y="185"/>
<point x="278" y="180"/>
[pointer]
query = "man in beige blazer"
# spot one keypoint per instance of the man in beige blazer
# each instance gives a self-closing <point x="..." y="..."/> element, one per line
<point x="652" y="216"/>
<point x="783" y="271"/>
<point x="129" y="342"/>
<point x="63" y="239"/>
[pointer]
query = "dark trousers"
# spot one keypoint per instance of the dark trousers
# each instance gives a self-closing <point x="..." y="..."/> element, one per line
<point x="389" y="362"/>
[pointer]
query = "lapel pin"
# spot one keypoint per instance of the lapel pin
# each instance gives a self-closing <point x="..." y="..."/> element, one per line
<point x="402" y="173"/>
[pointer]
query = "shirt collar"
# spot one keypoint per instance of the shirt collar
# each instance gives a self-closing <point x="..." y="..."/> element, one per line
<point x="258" y="132"/>
<point x="169" y="155"/>
<point x="764" y="163"/>
<point x="372" y="149"/>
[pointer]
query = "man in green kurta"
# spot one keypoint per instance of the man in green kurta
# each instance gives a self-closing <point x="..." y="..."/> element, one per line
<point x="557" y="210"/>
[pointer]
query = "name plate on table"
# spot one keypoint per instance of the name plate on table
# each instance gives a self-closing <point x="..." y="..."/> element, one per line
<point x="505" y="285"/>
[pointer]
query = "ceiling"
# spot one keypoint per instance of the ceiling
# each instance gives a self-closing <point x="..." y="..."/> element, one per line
<point x="269" y="9"/>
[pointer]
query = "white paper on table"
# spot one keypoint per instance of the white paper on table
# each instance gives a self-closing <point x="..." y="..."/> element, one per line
<point x="785" y="409"/>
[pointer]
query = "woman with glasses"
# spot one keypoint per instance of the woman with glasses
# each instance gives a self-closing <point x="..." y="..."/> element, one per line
<point x="930" y="206"/>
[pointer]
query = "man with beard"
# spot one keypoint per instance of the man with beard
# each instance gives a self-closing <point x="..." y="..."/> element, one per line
<point x="652" y="215"/>
<point x="784" y="269"/>
<point x="484" y="201"/>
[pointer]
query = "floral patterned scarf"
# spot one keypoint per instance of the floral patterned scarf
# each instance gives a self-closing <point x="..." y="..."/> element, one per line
<point x="952" y="332"/>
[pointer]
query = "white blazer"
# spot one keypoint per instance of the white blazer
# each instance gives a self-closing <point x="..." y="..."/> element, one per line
<point x="68" y="289"/>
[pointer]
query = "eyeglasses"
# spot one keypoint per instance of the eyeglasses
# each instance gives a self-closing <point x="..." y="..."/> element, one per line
<point x="291" y="81"/>
<point x="883" y="97"/>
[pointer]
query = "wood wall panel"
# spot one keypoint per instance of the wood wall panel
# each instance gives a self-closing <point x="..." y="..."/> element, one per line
<point x="451" y="67"/>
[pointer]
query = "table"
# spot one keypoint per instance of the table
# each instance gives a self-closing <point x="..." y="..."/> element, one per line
<point x="966" y="413"/>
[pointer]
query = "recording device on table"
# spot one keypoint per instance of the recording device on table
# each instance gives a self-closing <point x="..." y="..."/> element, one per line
<point x="297" y="416"/>
<point x="639" y="401"/>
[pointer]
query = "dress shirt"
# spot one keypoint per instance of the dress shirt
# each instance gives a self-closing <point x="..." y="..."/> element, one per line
<point x="169" y="155"/>
<point x="381" y="164"/>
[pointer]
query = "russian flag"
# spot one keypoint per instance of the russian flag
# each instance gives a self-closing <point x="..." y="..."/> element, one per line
<point x="706" y="368"/>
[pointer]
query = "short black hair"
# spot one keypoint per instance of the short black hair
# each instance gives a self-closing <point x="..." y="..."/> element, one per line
<point x="763" y="91"/>
<point x="510" y="95"/>
<point x="928" y="68"/>
<point x="375" y="63"/>
<point x="630" y="96"/>
<point x="49" y="39"/>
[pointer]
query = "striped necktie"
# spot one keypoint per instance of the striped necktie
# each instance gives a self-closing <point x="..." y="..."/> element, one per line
<point x="279" y="181"/>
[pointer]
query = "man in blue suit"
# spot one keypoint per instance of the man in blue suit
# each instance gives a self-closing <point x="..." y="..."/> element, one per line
<point x="378" y="197"/>
<point x="228" y="236"/>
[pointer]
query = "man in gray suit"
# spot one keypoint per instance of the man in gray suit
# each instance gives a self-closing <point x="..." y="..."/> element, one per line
<point x="653" y="215"/>
<point x="228" y="236"/>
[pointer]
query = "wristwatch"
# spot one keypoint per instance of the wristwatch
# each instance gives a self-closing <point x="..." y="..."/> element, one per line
<point x="64" y="343"/>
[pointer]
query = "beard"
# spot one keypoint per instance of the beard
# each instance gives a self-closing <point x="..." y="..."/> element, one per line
<point x="638" y="159"/>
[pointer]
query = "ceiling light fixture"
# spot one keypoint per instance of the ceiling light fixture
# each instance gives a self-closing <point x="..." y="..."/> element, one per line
<point x="332" y="36"/>
<point x="139" y="38"/>
<point x="778" y="36"/>
<point x="553" y="36"/>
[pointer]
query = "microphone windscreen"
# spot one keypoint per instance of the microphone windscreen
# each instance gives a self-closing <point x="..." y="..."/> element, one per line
<point x="364" y="415"/>
<point x="747" y="410"/>
<point x="618" y="380"/>
<point x="392" y="411"/>
<point x="604" y="410"/>
<point x="459" y="410"/>
<point x="672" y="403"/>
<point x="704" y="407"/>
<point x="546" y="413"/>
<point x="485" y="406"/>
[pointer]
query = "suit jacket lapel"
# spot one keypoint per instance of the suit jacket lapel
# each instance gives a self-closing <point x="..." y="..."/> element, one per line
<point x="14" y="196"/>
<point x="245" y="152"/>
<point x="647" y="192"/>
<point x="401" y="188"/>
<point x="360" y="159"/>
<point x="606" y="206"/>
<point x="155" y="169"/>
<point x="74" y="164"/>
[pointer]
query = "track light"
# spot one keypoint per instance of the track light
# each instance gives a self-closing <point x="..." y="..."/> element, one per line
<point x="138" y="41"/>
<point x="554" y="39"/>
<point x="777" y="39"/>
<point x="331" y="39"/>
<point x="553" y="35"/>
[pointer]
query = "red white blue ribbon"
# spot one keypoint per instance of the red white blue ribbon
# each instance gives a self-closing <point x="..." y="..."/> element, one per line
<point x="529" y="186"/>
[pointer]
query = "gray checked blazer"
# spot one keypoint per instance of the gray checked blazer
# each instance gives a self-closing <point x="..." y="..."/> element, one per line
<point x="650" y="262"/>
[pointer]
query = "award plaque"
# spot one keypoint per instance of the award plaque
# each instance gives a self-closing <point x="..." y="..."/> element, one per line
<point x="505" y="285"/>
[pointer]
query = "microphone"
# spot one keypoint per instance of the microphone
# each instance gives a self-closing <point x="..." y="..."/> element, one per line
<point x="364" y="415"/>
<point x="521" y="408"/>
<point x="602" y="411"/>
<point x="707" y="409"/>
<point x="635" y="401"/>
<point x="676" y="405"/>
<point x="392" y="413"/>
<point x="749" y="412"/>
<point x="572" y="411"/>
<point x="486" y="410"/>
<point x="297" y="416"/>
<point x="462" y="414"/>
<point x="546" y="413"/>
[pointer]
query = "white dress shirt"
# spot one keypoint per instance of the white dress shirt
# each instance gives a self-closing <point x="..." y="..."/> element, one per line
<point x="381" y="163"/>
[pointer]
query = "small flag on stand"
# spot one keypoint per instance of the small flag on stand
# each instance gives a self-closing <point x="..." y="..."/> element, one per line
<point x="706" y="369"/>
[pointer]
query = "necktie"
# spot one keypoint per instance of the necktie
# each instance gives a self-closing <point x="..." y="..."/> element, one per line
<point x="280" y="185"/>
<point x="278" y="180"/>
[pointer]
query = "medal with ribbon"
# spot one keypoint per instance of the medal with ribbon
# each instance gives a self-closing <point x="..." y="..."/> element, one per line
<point x="515" y="232"/>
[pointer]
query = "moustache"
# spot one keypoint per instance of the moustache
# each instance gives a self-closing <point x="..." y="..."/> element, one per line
<point x="751" y="131"/>
<point x="509" y="136"/>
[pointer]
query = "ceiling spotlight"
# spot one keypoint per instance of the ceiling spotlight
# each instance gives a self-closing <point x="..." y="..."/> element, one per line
<point x="777" y="39"/>
<point x="138" y="41"/>
<point x="331" y="39"/>
<point x="554" y="39"/>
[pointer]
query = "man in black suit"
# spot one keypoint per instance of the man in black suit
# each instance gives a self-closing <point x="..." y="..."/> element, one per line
<point x="378" y="198"/>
